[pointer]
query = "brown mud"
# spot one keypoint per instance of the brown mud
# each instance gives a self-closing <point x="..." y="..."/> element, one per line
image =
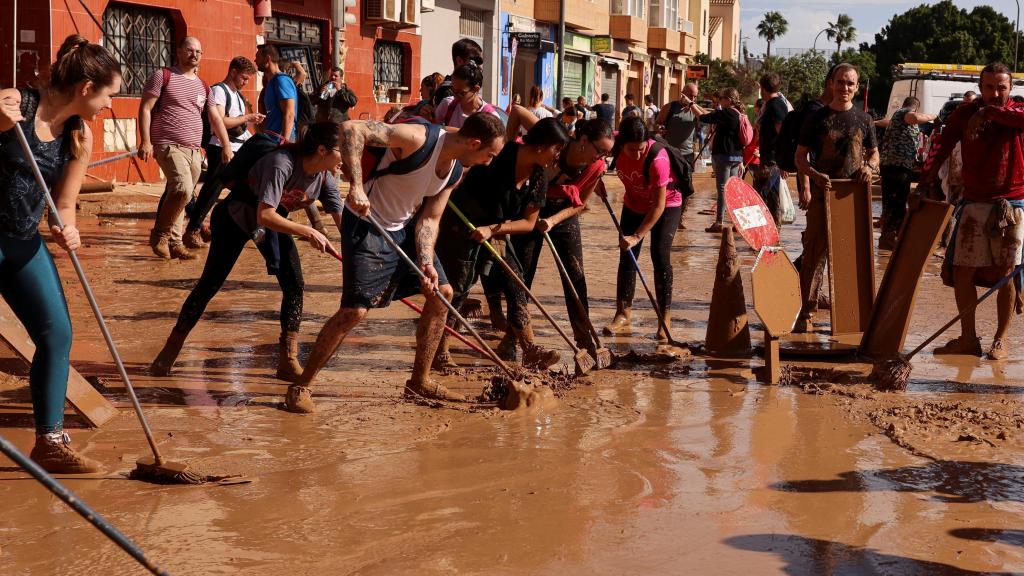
<point x="686" y="467"/>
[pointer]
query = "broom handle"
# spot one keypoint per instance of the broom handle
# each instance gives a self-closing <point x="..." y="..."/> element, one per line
<point x="55" y="215"/>
<point x="636" y="265"/>
<point x="437" y="293"/>
<point x="572" y="288"/>
<point x="515" y="277"/>
<point x="1002" y="282"/>
<point x="418" y="310"/>
<point x="83" y="509"/>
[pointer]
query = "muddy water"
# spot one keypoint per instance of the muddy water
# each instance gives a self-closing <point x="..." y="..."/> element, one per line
<point x="638" y="470"/>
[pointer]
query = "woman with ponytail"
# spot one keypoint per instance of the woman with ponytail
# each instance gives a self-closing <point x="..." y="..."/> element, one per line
<point x="81" y="83"/>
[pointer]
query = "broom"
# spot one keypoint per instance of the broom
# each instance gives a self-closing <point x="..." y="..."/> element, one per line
<point x="893" y="374"/>
<point x="154" y="469"/>
<point x="602" y="354"/>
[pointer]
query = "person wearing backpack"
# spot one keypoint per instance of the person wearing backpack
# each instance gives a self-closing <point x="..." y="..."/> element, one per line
<point x="231" y="121"/>
<point x="280" y="97"/>
<point x="631" y="108"/>
<point x="410" y="171"/>
<point x="733" y="132"/>
<point x="464" y="50"/>
<point x="651" y="206"/>
<point x="774" y="111"/>
<point x="267" y="183"/>
<point x="171" y="131"/>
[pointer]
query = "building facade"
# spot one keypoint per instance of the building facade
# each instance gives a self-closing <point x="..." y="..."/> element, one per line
<point x="725" y="32"/>
<point x="444" y="22"/>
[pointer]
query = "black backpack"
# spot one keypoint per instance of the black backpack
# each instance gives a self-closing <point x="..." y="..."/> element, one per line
<point x="235" y="174"/>
<point x="372" y="155"/>
<point x="306" y="113"/>
<point x="682" y="172"/>
<point x="789" y="137"/>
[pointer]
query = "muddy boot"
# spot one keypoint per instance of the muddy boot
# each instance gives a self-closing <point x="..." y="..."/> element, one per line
<point x="159" y="245"/>
<point x="288" y="367"/>
<point x="443" y="359"/>
<point x="432" y="390"/>
<point x="535" y="356"/>
<point x="193" y="239"/>
<point x="506" y="349"/>
<point x="887" y="241"/>
<point x="960" y="345"/>
<point x="179" y="252"/>
<point x="662" y="336"/>
<point x="299" y="399"/>
<point x="53" y="452"/>
<point x="165" y="359"/>
<point x="620" y="324"/>
<point x="498" y="321"/>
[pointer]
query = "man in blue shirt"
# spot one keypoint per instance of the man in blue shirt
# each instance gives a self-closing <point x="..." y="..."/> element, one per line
<point x="280" y="97"/>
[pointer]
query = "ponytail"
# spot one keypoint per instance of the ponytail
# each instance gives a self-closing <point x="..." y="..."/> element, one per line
<point x="79" y="60"/>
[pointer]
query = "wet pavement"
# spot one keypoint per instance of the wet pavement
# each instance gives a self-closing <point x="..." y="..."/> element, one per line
<point x="644" y="469"/>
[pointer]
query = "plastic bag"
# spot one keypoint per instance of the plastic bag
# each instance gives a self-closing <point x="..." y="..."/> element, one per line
<point x="786" y="207"/>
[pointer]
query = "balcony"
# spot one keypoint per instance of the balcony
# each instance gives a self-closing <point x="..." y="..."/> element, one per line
<point x="689" y="44"/>
<point x="587" y="15"/>
<point x="628" y="28"/>
<point x="663" y="39"/>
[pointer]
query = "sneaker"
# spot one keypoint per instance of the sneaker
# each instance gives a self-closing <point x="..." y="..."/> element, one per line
<point x="53" y="452"/>
<point x="961" y="346"/>
<point x="193" y="239"/>
<point x="432" y="391"/>
<point x="299" y="399"/>
<point x="540" y="358"/>
<point x="715" y="228"/>
<point x="179" y="252"/>
<point x="998" y="351"/>
<point x="159" y="245"/>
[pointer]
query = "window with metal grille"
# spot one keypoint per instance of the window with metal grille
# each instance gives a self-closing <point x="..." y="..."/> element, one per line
<point x="471" y="23"/>
<point x="388" y="64"/>
<point x="141" y="39"/>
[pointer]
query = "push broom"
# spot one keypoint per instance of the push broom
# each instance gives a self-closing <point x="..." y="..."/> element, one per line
<point x="154" y="469"/>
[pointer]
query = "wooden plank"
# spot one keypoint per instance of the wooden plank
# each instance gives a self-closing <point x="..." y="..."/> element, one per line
<point x="772" y="364"/>
<point x="85" y="399"/>
<point x="886" y="332"/>
<point x="851" y="255"/>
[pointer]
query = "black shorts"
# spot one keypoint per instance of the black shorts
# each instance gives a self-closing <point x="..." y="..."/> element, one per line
<point x="373" y="274"/>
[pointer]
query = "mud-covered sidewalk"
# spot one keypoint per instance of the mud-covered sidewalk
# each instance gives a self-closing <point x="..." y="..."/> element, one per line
<point x="688" y="468"/>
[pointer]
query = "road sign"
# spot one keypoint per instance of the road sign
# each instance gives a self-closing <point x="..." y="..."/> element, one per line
<point x="528" y="40"/>
<point x="750" y="215"/>
<point x="698" y="72"/>
<point x="775" y="285"/>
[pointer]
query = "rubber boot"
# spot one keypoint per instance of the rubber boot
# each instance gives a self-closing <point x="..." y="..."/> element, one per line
<point x="620" y="323"/>
<point x="288" y="367"/>
<point x="53" y="452"/>
<point x="535" y="356"/>
<point x="164" y="361"/>
<point x="506" y="349"/>
<point x="665" y="346"/>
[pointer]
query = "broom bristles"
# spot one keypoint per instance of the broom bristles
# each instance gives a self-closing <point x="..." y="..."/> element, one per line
<point x="891" y="375"/>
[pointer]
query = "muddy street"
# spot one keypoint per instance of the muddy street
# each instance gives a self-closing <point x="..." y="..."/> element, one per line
<point x="684" y="468"/>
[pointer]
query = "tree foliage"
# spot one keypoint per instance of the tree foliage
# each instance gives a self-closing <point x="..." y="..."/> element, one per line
<point x="772" y="27"/>
<point x="727" y="74"/>
<point x="801" y="75"/>
<point x="841" y="31"/>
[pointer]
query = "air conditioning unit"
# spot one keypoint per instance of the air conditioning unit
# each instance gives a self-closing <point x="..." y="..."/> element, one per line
<point x="411" y="12"/>
<point x="377" y="11"/>
<point x="426" y="5"/>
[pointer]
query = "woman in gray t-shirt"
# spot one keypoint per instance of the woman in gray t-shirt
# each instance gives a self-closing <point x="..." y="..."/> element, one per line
<point x="272" y="185"/>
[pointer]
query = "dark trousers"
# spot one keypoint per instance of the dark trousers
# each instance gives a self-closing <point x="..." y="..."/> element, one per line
<point x="662" y="235"/>
<point x="895" y="191"/>
<point x="225" y="247"/>
<point x="208" y="194"/>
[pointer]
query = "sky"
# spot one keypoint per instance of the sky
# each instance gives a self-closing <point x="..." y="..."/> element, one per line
<point x="807" y="18"/>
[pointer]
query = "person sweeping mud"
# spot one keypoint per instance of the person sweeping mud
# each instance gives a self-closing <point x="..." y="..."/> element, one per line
<point x="651" y="206"/>
<point x="286" y="179"/>
<point x="81" y="83"/>
<point x="406" y="193"/>
<point x="502" y="199"/>
<point x="990" y="216"/>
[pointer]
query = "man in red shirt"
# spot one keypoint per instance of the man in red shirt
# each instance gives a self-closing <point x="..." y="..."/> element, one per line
<point x="990" y="218"/>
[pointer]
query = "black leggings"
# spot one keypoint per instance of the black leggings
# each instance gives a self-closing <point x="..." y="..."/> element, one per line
<point x="895" y="191"/>
<point x="225" y="248"/>
<point x="662" y="235"/>
<point x="569" y="244"/>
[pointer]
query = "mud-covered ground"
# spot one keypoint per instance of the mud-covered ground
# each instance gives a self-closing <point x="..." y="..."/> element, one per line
<point x="649" y="468"/>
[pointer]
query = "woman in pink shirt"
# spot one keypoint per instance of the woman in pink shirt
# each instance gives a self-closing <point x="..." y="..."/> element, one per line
<point x="651" y="206"/>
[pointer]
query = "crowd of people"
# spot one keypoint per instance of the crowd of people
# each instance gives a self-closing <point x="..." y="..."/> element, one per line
<point x="520" y="176"/>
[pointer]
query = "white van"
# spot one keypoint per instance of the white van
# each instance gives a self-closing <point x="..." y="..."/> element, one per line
<point x="936" y="84"/>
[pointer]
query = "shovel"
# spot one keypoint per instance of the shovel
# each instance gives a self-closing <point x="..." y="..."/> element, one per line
<point x="584" y="362"/>
<point x="603" y="355"/>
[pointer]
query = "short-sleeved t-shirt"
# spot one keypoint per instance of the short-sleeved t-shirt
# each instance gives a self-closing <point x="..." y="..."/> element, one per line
<point x="639" y="187"/>
<point x="899" y="145"/>
<point x="838" y="140"/>
<point x="178" y="114"/>
<point x="234" y="107"/>
<point x="488" y="194"/>
<point x="278" y="179"/>
<point x="605" y="112"/>
<point x="280" y="87"/>
<point x="680" y="126"/>
<point x="458" y="116"/>
<point x="772" y="115"/>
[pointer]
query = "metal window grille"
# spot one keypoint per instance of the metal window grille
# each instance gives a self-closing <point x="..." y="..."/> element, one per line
<point x="141" y="39"/>
<point x="471" y="23"/>
<point x="388" y="64"/>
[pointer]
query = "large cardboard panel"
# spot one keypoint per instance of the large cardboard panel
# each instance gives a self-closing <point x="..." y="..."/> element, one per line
<point x="851" y="255"/>
<point x="96" y="409"/>
<point x="890" y="318"/>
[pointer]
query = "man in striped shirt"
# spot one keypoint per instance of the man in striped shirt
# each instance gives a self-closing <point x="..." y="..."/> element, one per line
<point x="171" y="126"/>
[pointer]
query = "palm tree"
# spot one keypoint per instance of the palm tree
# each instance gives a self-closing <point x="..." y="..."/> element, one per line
<point x="841" y="31"/>
<point x="772" y="27"/>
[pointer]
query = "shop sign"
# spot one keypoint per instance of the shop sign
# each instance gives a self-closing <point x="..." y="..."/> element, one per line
<point x="601" y="44"/>
<point x="528" y="40"/>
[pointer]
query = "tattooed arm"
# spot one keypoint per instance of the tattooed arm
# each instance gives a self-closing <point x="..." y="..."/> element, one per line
<point x="356" y="135"/>
<point x="427" y="225"/>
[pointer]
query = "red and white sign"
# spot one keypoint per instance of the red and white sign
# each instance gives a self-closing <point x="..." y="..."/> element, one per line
<point x="750" y="215"/>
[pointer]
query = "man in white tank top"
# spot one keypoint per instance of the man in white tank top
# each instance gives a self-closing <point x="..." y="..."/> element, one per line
<point x="410" y="174"/>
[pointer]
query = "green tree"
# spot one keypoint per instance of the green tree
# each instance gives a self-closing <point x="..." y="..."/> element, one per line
<point x="803" y="76"/>
<point x="727" y="74"/>
<point x="772" y="27"/>
<point x="841" y="31"/>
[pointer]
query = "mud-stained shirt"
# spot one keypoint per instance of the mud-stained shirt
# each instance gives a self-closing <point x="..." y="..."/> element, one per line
<point x="839" y="141"/>
<point x="279" y="180"/>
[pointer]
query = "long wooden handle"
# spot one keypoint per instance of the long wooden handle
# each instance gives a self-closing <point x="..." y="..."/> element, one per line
<point x="576" y="295"/>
